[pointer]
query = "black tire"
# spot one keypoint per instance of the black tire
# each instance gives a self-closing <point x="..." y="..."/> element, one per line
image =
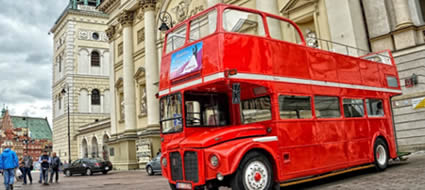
<point x="381" y="154"/>
<point x="172" y="186"/>
<point x="149" y="170"/>
<point x="105" y="172"/>
<point x="68" y="173"/>
<point x="88" y="172"/>
<point x="239" y="179"/>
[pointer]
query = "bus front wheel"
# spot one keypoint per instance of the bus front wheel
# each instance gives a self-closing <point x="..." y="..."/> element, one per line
<point x="254" y="172"/>
<point x="381" y="154"/>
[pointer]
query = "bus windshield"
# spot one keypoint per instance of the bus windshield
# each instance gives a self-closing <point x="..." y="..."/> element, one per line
<point x="171" y="113"/>
<point x="206" y="109"/>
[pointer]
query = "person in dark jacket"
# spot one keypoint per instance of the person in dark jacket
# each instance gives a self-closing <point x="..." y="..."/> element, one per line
<point x="54" y="165"/>
<point x="8" y="163"/>
<point x="44" y="166"/>
<point x="27" y="167"/>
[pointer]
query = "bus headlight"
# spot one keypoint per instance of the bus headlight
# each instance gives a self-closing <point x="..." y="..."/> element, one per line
<point x="164" y="162"/>
<point x="214" y="160"/>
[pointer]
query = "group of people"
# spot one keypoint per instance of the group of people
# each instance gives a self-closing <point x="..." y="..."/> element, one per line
<point x="9" y="163"/>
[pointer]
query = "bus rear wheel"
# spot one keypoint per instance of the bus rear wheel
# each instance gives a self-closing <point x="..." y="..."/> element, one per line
<point x="381" y="154"/>
<point x="254" y="172"/>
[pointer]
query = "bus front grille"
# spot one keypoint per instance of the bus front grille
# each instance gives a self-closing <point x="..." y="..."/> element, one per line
<point x="191" y="166"/>
<point x="176" y="166"/>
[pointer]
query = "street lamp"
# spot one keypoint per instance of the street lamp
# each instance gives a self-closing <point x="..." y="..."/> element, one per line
<point x="69" y="133"/>
<point x="166" y="20"/>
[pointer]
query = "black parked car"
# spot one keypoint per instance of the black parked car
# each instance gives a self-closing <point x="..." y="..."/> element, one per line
<point x="88" y="166"/>
<point x="154" y="166"/>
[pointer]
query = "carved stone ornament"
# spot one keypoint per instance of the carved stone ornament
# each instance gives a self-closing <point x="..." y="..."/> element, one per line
<point x="181" y="10"/>
<point x="126" y="18"/>
<point x="110" y="31"/>
<point x="148" y="5"/>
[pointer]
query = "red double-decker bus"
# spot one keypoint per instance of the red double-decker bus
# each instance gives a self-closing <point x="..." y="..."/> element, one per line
<point x="245" y="103"/>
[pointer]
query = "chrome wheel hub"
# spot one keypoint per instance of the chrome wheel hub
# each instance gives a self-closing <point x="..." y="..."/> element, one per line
<point x="256" y="176"/>
<point x="381" y="155"/>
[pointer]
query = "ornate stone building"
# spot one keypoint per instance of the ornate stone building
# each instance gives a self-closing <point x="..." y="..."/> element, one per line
<point x="399" y="25"/>
<point x="135" y="45"/>
<point x="81" y="70"/>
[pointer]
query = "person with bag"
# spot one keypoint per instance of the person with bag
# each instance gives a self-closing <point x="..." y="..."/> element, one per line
<point x="27" y="167"/>
<point x="44" y="167"/>
<point x="8" y="163"/>
<point x="56" y="162"/>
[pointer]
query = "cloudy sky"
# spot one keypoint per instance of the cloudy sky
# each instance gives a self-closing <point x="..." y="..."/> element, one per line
<point x="26" y="55"/>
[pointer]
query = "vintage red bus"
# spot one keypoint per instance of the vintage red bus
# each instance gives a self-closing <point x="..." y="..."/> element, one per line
<point x="245" y="103"/>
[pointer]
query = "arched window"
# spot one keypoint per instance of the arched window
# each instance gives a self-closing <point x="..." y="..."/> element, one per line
<point x="95" y="97"/>
<point x="95" y="59"/>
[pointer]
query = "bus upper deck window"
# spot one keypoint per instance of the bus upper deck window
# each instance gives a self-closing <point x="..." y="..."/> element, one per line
<point x="176" y="38"/>
<point x="243" y="22"/>
<point x="203" y="26"/>
<point x="282" y="30"/>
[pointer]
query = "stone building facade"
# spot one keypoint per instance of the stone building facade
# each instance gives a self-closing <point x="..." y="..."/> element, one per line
<point x="135" y="45"/>
<point x="399" y="25"/>
<point x="81" y="70"/>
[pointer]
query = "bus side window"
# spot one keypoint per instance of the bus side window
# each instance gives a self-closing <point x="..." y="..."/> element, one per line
<point x="256" y="109"/>
<point x="203" y="26"/>
<point x="295" y="107"/>
<point x="176" y="39"/>
<point x="243" y="22"/>
<point x="353" y="108"/>
<point x="282" y="30"/>
<point x="327" y="107"/>
<point x="374" y="108"/>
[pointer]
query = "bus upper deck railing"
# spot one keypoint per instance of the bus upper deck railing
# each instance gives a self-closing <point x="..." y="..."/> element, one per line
<point x="327" y="45"/>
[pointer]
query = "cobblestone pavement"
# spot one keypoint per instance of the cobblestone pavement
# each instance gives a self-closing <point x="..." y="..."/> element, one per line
<point x="400" y="175"/>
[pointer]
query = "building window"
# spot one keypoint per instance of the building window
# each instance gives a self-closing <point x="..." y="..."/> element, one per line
<point x="95" y="59"/>
<point x="143" y="101"/>
<point x="95" y="97"/>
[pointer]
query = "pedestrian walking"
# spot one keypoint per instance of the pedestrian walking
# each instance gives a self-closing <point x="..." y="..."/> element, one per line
<point x="8" y="163"/>
<point x="44" y="167"/>
<point x="55" y="164"/>
<point x="27" y="168"/>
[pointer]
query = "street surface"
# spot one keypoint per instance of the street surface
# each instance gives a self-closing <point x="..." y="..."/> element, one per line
<point x="400" y="175"/>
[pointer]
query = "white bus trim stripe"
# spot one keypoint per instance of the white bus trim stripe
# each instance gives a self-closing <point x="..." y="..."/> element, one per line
<point x="277" y="79"/>
<point x="265" y="139"/>
<point x="187" y="84"/>
<point x="310" y="82"/>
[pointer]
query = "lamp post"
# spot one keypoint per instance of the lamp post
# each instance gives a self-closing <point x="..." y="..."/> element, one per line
<point x="166" y="20"/>
<point x="69" y="125"/>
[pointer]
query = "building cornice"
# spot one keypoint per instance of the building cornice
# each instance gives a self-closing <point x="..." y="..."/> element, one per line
<point x="77" y="12"/>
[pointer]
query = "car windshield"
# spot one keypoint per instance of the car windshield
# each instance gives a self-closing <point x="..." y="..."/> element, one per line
<point x="171" y="113"/>
<point x="206" y="109"/>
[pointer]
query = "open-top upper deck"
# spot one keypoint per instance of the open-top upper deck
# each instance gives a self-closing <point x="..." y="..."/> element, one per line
<point x="226" y="42"/>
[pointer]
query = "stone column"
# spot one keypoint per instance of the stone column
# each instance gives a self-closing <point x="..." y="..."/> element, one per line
<point x="110" y="33"/>
<point x="102" y="105"/>
<point x="151" y="62"/>
<point x="270" y="6"/>
<point x="402" y="14"/>
<point x="126" y="20"/>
